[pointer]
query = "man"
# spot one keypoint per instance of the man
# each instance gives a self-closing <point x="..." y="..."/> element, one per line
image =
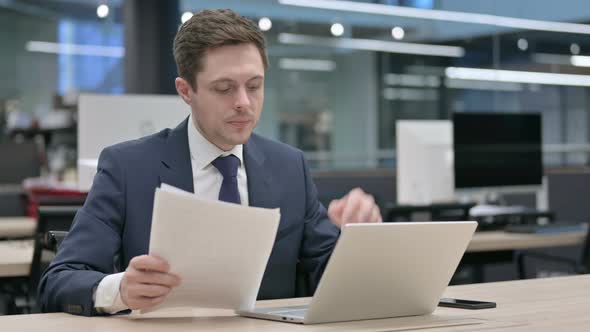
<point x="221" y="62"/>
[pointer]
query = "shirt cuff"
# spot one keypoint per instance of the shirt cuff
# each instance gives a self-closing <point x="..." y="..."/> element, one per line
<point x="107" y="296"/>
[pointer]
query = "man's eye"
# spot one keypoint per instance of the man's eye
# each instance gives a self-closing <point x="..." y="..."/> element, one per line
<point x="254" y="87"/>
<point x="222" y="89"/>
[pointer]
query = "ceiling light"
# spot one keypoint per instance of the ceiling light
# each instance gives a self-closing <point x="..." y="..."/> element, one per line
<point x="307" y="64"/>
<point x="483" y="85"/>
<point x="337" y="29"/>
<point x="441" y="15"/>
<point x="522" y="44"/>
<point x="552" y="58"/>
<point x="575" y="49"/>
<point x="102" y="11"/>
<point x="75" y="49"/>
<point x="264" y="23"/>
<point x="398" y="33"/>
<point x="185" y="17"/>
<point x="516" y="76"/>
<point x="580" y="60"/>
<point x="373" y="45"/>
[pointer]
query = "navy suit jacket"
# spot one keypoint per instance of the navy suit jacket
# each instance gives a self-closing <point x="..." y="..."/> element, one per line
<point x="116" y="218"/>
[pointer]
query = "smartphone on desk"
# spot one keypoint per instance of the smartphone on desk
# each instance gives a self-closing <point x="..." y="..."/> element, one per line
<point x="465" y="304"/>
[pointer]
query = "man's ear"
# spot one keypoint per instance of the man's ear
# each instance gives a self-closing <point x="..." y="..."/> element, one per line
<point x="184" y="89"/>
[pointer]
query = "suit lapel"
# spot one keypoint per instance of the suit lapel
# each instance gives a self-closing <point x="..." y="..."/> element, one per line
<point x="261" y="193"/>
<point x="176" y="169"/>
<point x="259" y="176"/>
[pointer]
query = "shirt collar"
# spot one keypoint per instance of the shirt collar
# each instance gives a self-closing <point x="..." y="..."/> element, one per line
<point x="204" y="152"/>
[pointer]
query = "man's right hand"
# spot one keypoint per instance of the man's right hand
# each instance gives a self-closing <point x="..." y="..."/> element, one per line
<point x="146" y="282"/>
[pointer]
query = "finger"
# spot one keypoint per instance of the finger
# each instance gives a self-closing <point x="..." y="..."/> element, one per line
<point x="145" y="302"/>
<point x="352" y="205"/>
<point x="150" y="263"/>
<point x="157" y="278"/>
<point x="335" y="209"/>
<point x="152" y="302"/>
<point x="376" y="215"/>
<point x="365" y="210"/>
<point x="144" y="290"/>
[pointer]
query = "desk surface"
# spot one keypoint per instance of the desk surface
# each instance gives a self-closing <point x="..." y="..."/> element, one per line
<point x="499" y="240"/>
<point x="528" y="305"/>
<point x="14" y="227"/>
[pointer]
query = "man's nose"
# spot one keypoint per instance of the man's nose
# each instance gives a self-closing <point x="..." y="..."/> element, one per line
<point x="242" y="99"/>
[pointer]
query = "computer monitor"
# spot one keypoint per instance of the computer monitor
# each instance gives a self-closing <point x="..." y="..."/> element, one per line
<point x="497" y="150"/>
<point x="19" y="161"/>
<point x="104" y="120"/>
<point x="424" y="161"/>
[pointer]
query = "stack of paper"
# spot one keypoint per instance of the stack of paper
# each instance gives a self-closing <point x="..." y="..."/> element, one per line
<point x="220" y="250"/>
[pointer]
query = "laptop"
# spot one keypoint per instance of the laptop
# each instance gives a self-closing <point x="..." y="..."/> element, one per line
<point x="382" y="270"/>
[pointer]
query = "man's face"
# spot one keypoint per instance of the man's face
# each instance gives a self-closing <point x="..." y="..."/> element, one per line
<point x="229" y="94"/>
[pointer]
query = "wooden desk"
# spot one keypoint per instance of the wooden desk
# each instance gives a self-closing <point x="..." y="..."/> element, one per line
<point x="15" y="258"/>
<point x="15" y="227"/>
<point x="499" y="240"/>
<point x="495" y="247"/>
<point x="557" y="304"/>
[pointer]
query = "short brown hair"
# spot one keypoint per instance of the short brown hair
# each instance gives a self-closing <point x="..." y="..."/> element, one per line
<point x="210" y="29"/>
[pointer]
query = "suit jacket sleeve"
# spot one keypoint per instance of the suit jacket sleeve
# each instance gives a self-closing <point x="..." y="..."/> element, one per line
<point x="319" y="236"/>
<point x="87" y="253"/>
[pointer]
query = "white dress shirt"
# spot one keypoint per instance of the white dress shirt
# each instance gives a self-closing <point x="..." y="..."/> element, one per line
<point x="206" y="183"/>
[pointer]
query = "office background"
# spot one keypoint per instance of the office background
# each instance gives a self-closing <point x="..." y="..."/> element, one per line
<point x="337" y="104"/>
<point x="338" y="81"/>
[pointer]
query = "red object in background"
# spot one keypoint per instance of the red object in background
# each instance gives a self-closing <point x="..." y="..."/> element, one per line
<point x="49" y="193"/>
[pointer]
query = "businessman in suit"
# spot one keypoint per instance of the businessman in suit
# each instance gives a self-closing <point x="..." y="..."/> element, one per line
<point x="221" y="61"/>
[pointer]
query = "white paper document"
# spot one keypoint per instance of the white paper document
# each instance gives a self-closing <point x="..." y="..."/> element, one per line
<point x="220" y="250"/>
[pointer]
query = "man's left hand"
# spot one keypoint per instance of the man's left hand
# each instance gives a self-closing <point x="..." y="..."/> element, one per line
<point x="356" y="207"/>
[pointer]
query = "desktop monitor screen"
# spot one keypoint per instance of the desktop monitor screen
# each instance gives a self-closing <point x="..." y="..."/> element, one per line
<point x="19" y="161"/>
<point x="497" y="149"/>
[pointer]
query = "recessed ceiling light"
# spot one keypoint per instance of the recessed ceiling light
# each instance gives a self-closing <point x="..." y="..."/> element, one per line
<point x="522" y="44"/>
<point x="575" y="49"/>
<point x="264" y="23"/>
<point x="337" y="29"/>
<point x="186" y="16"/>
<point x="398" y="33"/>
<point x="102" y="11"/>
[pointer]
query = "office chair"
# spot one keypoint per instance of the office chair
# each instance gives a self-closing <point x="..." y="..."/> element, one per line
<point x="53" y="240"/>
<point x="581" y="266"/>
<point x="54" y="218"/>
<point x="58" y="219"/>
<point x="21" y="291"/>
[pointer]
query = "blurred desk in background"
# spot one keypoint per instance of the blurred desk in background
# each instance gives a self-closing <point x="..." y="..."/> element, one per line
<point x="501" y="241"/>
<point x="15" y="258"/>
<point x="17" y="227"/>
<point x="496" y="247"/>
